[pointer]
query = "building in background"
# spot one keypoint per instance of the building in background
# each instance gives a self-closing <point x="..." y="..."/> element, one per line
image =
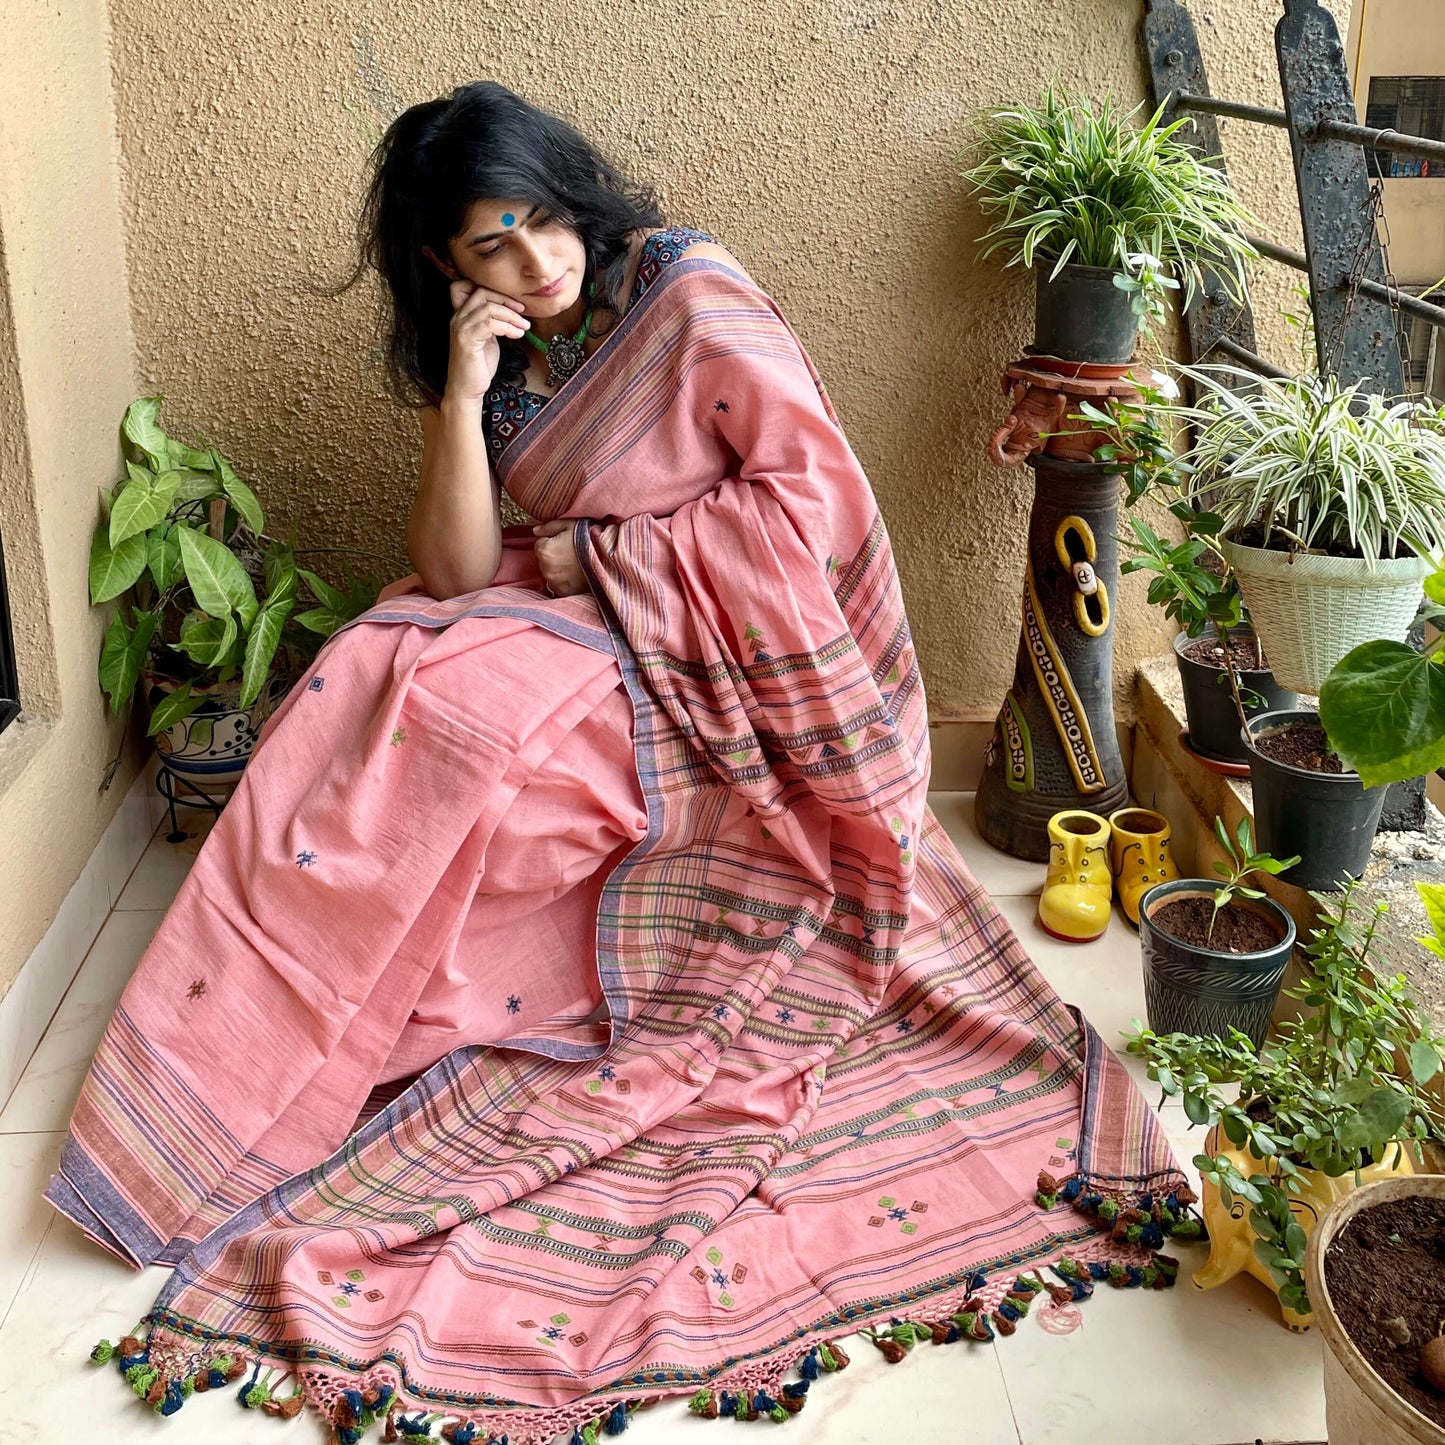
<point x="1397" y="58"/>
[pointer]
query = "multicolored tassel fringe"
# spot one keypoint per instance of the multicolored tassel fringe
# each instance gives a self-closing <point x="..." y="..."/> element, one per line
<point x="1149" y="1221"/>
<point x="1146" y="1222"/>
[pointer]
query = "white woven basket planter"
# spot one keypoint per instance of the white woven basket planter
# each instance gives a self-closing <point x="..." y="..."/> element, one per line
<point x="1310" y="611"/>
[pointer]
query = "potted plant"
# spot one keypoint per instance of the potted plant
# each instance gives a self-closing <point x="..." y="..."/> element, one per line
<point x="1112" y="215"/>
<point x="1307" y="799"/>
<point x="1330" y="499"/>
<point x="1214" y="955"/>
<point x="1375" y="1272"/>
<point x="1338" y="1097"/>
<point x="1383" y="704"/>
<point x="205" y="600"/>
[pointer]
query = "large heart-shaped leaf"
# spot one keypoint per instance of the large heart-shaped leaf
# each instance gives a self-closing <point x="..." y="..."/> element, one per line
<point x="140" y="427"/>
<point x="123" y="653"/>
<point x="1383" y="708"/>
<point x="324" y="592"/>
<point x="218" y="581"/>
<point x="141" y="505"/>
<point x="112" y="570"/>
<point x="261" y="648"/>
<point x="173" y="707"/>
<point x="207" y="640"/>
<point x="241" y="495"/>
<point x="163" y="556"/>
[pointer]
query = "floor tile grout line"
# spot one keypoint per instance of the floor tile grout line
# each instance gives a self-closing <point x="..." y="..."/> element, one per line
<point x="79" y="969"/>
<point x="29" y="1271"/>
<point x="1008" y="1397"/>
<point x="135" y="868"/>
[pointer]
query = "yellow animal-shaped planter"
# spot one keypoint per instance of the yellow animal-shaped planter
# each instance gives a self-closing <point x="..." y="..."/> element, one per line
<point x="1232" y="1236"/>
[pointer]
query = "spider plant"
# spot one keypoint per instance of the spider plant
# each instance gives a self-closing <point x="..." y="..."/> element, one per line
<point x="1069" y="182"/>
<point x="1303" y="463"/>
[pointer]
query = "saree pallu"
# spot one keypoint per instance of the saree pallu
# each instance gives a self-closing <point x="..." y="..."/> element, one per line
<point x="825" y="1087"/>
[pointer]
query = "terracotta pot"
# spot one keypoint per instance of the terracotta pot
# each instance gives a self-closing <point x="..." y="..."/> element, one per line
<point x="1360" y="1408"/>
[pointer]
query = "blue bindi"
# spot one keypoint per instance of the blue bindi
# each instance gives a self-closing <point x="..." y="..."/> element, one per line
<point x="508" y="219"/>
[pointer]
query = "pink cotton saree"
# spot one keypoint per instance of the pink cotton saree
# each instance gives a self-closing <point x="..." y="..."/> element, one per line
<point x="826" y="1088"/>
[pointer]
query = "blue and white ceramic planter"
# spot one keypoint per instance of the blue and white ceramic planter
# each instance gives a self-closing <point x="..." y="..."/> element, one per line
<point x="212" y="746"/>
<point x="1200" y="991"/>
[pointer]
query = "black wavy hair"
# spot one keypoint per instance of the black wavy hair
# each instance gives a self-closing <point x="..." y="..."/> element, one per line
<point x="481" y="142"/>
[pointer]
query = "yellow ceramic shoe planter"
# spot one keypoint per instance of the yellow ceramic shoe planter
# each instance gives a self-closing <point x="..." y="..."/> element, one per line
<point x="1139" y="855"/>
<point x="1232" y="1237"/>
<point x="1078" y="891"/>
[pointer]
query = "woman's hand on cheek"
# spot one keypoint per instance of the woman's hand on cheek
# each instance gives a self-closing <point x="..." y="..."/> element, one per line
<point x="557" y="558"/>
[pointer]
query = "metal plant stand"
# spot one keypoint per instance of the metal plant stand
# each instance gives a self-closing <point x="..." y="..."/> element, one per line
<point x="167" y="782"/>
<point x="1054" y="745"/>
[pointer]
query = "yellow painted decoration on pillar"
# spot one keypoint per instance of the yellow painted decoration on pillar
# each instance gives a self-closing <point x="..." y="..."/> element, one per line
<point x="1070" y="719"/>
<point x="1091" y="597"/>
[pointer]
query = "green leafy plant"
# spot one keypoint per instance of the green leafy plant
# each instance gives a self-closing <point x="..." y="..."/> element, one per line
<point x="200" y="590"/>
<point x="1383" y="704"/>
<point x="1242" y="862"/>
<point x="1068" y="181"/>
<point x="1330" y="1094"/>
<point x="1433" y="897"/>
<point x="1305" y="463"/>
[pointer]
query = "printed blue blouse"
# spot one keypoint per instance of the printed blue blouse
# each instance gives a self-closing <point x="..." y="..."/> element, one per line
<point x="510" y="407"/>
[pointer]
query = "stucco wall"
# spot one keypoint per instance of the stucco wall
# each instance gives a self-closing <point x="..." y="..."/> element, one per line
<point x="65" y="377"/>
<point x="818" y="140"/>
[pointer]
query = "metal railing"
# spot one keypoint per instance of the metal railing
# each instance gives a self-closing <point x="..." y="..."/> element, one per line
<point x="1355" y="302"/>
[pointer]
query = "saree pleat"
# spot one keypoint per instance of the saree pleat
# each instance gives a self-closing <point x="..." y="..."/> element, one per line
<point x="745" y="1062"/>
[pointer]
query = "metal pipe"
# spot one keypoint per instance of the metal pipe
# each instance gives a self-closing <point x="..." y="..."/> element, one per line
<point x="1278" y="253"/>
<point x="1425" y="310"/>
<point x="1388" y="140"/>
<point x="1230" y="347"/>
<point x="1237" y="109"/>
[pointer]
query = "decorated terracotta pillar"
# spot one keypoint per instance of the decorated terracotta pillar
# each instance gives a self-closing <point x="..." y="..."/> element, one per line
<point x="1054" y="745"/>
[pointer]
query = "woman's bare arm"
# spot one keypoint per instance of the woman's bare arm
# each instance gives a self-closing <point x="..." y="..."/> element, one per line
<point x="454" y="535"/>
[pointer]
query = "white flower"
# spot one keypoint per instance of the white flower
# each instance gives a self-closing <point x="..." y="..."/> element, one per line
<point x="1164" y="384"/>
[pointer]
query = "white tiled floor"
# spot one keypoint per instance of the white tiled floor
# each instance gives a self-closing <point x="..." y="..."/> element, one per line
<point x="1177" y="1367"/>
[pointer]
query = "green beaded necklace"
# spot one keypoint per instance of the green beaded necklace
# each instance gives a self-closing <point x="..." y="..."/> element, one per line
<point x="564" y="353"/>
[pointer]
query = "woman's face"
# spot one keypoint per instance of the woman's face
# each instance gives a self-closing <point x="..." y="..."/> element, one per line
<point x="516" y="248"/>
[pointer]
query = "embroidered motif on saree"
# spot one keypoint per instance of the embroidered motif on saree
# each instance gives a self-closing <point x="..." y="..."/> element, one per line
<point x="831" y="1093"/>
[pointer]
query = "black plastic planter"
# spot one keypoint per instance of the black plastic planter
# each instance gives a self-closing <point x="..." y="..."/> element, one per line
<point x="1209" y="703"/>
<point x="1327" y="819"/>
<point x="1199" y="991"/>
<point x="1082" y="316"/>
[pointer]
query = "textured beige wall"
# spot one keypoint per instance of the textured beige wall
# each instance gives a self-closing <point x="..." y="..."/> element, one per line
<point x="1404" y="37"/>
<point x="818" y="140"/>
<point x="66" y="374"/>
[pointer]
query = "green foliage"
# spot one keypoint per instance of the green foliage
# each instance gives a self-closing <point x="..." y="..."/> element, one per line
<point x="1138" y="437"/>
<point x="1191" y="592"/>
<point x="1069" y="181"/>
<point x="181" y="540"/>
<point x="1243" y="861"/>
<point x="1383" y="704"/>
<point x="1433" y="897"/>
<point x="1328" y="1094"/>
<point x="1312" y="464"/>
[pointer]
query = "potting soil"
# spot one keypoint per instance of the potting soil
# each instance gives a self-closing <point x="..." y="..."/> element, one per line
<point x="1237" y="929"/>
<point x="1386" y="1276"/>
<point x="1301" y="747"/>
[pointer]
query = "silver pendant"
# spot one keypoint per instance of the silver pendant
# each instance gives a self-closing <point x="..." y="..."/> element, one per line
<point x="564" y="356"/>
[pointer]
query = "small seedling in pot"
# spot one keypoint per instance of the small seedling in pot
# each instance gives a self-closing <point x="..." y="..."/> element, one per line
<point x="1243" y="861"/>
